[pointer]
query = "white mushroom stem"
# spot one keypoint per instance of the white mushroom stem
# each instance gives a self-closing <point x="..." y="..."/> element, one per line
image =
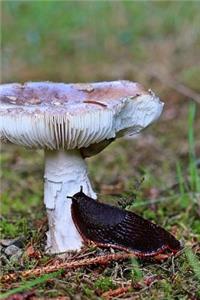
<point x="65" y="173"/>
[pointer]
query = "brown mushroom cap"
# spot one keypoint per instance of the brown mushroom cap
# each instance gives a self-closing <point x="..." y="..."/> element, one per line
<point x="58" y="115"/>
<point x="60" y="94"/>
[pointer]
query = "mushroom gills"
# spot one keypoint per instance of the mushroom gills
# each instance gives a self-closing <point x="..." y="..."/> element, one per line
<point x="109" y="226"/>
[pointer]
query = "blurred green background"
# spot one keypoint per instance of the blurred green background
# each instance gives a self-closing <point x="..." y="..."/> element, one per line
<point x="74" y="41"/>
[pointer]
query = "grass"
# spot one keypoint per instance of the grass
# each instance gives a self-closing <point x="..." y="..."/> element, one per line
<point x="166" y="207"/>
<point x="194" y="263"/>
<point x="193" y="183"/>
<point x="193" y="171"/>
<point x="156" y="175"/>
<point x="27" y="285"/>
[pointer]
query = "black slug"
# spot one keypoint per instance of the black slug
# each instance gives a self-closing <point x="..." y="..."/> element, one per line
<point x="109" y="226"/>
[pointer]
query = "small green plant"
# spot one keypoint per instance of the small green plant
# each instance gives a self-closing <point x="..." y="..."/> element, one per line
<point x="87" y="291"/>
<point x="194" y="262"/>
<point x="12" y="230"/>
<point x="136" y="273"/>
<point x="104" y="284"/>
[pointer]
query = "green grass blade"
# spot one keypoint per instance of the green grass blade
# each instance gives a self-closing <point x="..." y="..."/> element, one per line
<point x="27" y="285"/>
<point x="183" y="195"/>
<point x="193" y="171"/>
<point x="180" y="178"/>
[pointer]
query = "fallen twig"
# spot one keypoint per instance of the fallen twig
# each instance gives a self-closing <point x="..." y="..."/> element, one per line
<point x="101" y="260"/>
<point x="148" y="281"/>
<point x="117" y="292"/>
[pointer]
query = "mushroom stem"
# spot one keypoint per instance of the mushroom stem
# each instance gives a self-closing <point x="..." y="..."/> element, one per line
<point x="65" y="173"/>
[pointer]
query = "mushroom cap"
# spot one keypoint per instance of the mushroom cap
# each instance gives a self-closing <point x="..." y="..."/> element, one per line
<point x="68" y="116"/>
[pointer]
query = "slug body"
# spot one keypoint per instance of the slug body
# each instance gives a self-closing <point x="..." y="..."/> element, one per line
<point x="109" y="226"/>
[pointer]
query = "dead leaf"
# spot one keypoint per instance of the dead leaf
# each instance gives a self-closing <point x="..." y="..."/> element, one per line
<point x="32" y="252"/>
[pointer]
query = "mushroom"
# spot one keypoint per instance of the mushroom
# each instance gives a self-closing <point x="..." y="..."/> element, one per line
<point x="71" y="122"/>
